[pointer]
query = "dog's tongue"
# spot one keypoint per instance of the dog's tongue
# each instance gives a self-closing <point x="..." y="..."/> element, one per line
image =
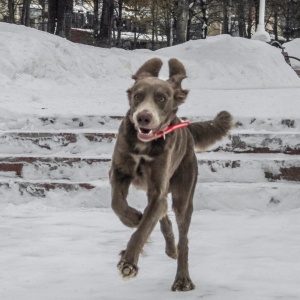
<point x="145" y="136"/>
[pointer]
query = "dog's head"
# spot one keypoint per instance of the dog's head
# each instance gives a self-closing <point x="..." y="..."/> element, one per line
<point x="154" y="102"/>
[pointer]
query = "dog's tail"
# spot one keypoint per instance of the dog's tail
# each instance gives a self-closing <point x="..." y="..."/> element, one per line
<point x="207" y="133"/>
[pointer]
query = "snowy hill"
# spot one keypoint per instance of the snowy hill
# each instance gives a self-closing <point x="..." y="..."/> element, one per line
<point x="218" y="62"/>
<point x="42" y="74"/>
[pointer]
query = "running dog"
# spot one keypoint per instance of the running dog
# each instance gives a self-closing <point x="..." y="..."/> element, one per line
<point x="155" y="152"/>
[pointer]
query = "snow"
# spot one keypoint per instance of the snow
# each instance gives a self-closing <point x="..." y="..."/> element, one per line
<point x="65" y="246"/>
<point x="41" y="74"/>
<point x="72" y="254"/>
<point x="293" y="49"/>
<point x="261" y="35"/>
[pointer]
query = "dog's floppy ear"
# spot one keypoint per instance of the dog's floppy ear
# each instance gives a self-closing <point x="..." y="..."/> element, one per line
<point x="177" y="74"/>
<point x="150" y="68"/>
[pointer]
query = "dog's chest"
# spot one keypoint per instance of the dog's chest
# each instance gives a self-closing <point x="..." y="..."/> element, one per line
<point x="140" y="170"/>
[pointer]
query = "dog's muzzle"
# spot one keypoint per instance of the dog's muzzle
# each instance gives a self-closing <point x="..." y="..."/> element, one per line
<point x="146" y="124"/>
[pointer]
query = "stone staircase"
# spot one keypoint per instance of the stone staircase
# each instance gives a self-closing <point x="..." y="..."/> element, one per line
<point x="257" y="166"/>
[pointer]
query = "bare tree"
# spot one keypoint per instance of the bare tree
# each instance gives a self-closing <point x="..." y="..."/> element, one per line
<point x="96" y="18"/>
<point x="182" y="20"/>
<point x="11" y="11"/>
<point x="119" y="22"/>
<point x="25" y="18"/>
<point x="60" y="17"/>
<point x="52" y="15"/>
<point x="106" y="23"/>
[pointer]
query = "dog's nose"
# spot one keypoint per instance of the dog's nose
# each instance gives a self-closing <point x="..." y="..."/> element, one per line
<point x="144" y="118"/>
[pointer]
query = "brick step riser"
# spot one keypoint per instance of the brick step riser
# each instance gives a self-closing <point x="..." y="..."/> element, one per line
<point x="207" y="196"/>
<point x="220" y="170"/>
<point x="103" y="143"/>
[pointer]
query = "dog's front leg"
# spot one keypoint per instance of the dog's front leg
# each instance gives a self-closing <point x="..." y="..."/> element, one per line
<point x="155" y="210"/>
<point x="128" y="215"/>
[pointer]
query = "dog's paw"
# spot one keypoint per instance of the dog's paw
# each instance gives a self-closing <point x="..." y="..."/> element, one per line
<point x="132" y="218"/>
<point x="171" y="251"/>
<point x="183" y="285"/>
<point x="127" y="270"/>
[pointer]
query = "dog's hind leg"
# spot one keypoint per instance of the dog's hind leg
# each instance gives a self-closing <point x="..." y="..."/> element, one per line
<point x="167" y="231"/>
<point x="182" y="189"/>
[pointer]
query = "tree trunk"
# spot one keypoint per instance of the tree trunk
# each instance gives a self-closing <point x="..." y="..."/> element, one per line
<point x="241" y="18"/>
<point x="288" y="24"/>
<point x="168" y="24"/>
<point x="203" y="7"/>
<point x="43" y="4"/>
<point x="225" y="18"/>
<point x="276" y="24"/>
<point x="188" y="29"/>
<point x="182" y="21"/>
<point x="96" y="18"/>
<point x="52" y="15"/>
<point x="11" y="11"/>
<point x="25" y="17"/>
<point x="249" y="21"/>
<point x="106" y="23"/>
<point x="120" y="23"/>
<point x="256" y="5"/>
<point x="154" y="23"/>
<point x="64" y="18"/>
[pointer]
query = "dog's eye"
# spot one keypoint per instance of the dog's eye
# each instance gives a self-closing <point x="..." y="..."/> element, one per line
<point x="138" y="97"/>
<point x="161" y="98"/>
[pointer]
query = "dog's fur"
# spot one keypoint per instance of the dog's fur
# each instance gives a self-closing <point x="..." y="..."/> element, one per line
<point x="159" y="166"/>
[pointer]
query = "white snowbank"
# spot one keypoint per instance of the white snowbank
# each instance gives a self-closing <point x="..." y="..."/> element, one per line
<point x="27" y="51"/>
<point x="223" y="62"/>
<point x="217" y="62"/>
<point x="293" y="49"/>
<point x="42" y="74"/>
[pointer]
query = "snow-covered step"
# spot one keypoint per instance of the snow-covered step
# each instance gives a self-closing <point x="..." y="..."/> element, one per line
<point x="248" y="168"/>
<point x="241" y="196"/>
<point x="40" y="188"/>
<point x="213" y="167"/>
<point x="58" y="122"/>
<point x="238" y="196"/>
<point x="55" y="168"/>
<point x="9" y="122"/>
<point x="46" y="143"/>
<point x="262" y="142"/>
<point x="98" y="143"/>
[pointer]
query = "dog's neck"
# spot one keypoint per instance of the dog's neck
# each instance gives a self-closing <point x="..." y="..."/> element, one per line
<point x="170" y="128"/>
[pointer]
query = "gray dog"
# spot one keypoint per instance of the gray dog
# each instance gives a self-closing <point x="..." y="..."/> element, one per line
<point x="155" y="152"/>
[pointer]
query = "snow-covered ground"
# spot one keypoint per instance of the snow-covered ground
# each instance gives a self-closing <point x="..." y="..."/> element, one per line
<point x="51" y="248"/>
<point x="293" y="49"/>
<point x="72" y="254"/>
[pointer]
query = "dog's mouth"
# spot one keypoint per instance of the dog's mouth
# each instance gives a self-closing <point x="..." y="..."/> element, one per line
<point x="146" y="134"/>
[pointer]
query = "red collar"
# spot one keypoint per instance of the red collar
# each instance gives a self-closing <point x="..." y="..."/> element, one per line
<point x="171" y="128"/>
